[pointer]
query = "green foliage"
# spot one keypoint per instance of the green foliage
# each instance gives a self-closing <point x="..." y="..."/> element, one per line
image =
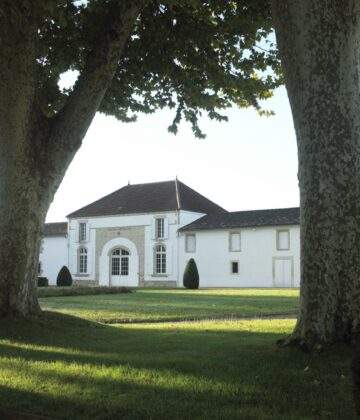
<point x="64" y="277"/>
<point x="191" y="275"/>
<point x="43" y="282"/>
<point x="192" y="56"/>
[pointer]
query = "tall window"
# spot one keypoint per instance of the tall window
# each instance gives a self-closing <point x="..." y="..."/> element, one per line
<point x="235" y="241"/>
<point x="160" y="259"/>
<point x="83" y="260"/>
<point x="160" y="228"/>
<point x="282" y="239"/>
<point x="82" y="232"/>
<point x="190" y="243"/>
<point x="120" y="262"/>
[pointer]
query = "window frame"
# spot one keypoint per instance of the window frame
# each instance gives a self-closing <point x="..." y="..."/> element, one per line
<point x="278" y="232"/>
<point x="82" y="232"/>
<point x="160" y="260"/>
<point x="160" y="227"/>
<point x="187" y="235"/>
<point x="124" y="261"/>
<point x="232" y="267"/>
<point x="83" y="260"/>
<point x="234" y="232"/>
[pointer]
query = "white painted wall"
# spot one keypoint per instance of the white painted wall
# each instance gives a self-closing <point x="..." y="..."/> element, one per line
<point x="261" y="264"/>
<point x="53" y="255"/>
<point x="257" y="258"/>
<point x="174" y="220"/>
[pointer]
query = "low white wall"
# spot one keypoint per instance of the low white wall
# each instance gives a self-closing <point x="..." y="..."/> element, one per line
<point x="53" y="255"/>
<point x="256" y="258"/>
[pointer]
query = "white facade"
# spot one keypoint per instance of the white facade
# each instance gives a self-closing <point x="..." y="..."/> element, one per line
<point x="120" y="240"/>
<point x="53" y="256"/>
<point x="135" y="234"/>
<point x="246" y="257"/>
<point x="261" y="260"/>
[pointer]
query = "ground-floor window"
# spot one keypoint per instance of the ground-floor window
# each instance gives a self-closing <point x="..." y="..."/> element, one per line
<point x="234" y="267"/>
<point x="120" y="262"/>
<point x="160" y="259"/>
<point x="83" y="260"/>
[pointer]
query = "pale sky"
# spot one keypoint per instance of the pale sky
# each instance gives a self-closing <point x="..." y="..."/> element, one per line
<point x="249" y="162"/>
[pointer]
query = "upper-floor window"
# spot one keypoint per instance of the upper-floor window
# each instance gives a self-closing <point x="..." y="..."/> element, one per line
<point x="190" y="243"/>
<point x="160" y="228"/>
<point x="83" y="260"/>
<point x="82" y="232"/>
<point x="283" y="239"/>
<point x="160" y="259"/>
<point x="234" y="241"/>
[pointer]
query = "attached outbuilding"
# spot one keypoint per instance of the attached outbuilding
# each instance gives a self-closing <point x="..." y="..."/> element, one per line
<point x="258" y="248"/>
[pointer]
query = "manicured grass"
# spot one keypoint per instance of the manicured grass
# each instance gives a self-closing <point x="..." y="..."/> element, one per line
<point x="70" y="368"/>
<point x="177" y="304"/>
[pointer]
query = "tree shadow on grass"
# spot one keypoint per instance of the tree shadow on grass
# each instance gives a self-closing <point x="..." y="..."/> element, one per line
<point x="71" y="368"/>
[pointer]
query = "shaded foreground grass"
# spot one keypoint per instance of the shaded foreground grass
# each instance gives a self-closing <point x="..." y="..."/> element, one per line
<point x="177" y="304"/>
<point x="70" y="368"/>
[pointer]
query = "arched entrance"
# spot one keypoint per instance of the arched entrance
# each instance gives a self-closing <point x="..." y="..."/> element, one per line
<point x="119" y="263"/>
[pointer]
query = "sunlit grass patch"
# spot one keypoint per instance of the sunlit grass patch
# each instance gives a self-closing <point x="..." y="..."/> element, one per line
<point x="70" y="368"/>
<point x="177" y="304"/>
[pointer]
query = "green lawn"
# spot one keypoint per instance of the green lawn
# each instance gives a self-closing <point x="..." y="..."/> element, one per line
<point x="177" y="304"/>
<point x="72" y="368"/>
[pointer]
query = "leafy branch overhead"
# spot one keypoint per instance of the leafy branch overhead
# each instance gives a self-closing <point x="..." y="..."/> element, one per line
<point x="191" y="56"/>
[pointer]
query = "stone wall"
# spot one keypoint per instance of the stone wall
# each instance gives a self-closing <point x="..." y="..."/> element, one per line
<point x="135" y="234"/>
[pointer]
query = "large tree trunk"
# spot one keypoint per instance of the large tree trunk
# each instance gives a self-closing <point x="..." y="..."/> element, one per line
<point x="319" y="42"/>
<point x="35" y="150"/>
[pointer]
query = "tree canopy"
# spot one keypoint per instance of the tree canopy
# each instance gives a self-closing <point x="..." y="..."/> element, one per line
<point x="192" y="56"/>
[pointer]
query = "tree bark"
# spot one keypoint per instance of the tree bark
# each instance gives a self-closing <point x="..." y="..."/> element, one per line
<point x="35" y="151"/>
<point x="319" y="43"/>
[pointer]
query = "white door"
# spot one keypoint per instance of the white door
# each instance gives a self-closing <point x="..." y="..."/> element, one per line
<point x="283" y="272"/>
<point x="119" y="266"/>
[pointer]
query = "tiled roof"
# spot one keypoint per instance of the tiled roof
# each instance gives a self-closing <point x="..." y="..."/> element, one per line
<point x="55" y="229"/>
<point x="149" y="198"/>
<point x="250" y="218"/>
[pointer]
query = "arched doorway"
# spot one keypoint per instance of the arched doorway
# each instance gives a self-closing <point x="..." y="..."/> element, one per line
<point x="119" y="263"/>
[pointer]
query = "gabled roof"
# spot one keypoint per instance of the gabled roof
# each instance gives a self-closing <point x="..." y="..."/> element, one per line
<point x="149" y="198"/>
<point x="55" y="229"/>
<point x="250" y="218"/>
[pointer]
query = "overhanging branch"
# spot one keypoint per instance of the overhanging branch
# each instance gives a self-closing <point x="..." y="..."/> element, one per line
<point x="71" y="123"/>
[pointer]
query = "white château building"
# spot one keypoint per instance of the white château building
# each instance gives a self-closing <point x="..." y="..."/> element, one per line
<point x="143" y="235"/>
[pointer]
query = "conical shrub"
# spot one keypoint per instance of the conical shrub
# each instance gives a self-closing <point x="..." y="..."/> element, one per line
<point x="191" y="275"/>
<point x="64" y="277"/>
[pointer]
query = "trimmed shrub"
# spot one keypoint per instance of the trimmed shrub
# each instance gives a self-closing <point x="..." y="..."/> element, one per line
<point x="43" y="282"/>
<point x="64" y="277"/>
<point x="191" y="275"/>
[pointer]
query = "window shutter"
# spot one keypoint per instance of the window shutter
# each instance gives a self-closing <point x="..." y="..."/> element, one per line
<point x="89" y="260"/>
<point x="77" y="233"/>
<point x="166" y="227"/>
<point x="169" y="259"/>
<point x="283" y="239"/>
<point x="153" y="228"/>
<point x="235" y="242"/>
<point x="190" y="244"/>
<point x="87" y="232"/>
<point x="149" y="258"/>
<point x="74" y="262"/>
